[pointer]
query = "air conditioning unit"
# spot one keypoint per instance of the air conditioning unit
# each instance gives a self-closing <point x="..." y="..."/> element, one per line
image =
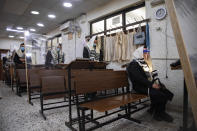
<point x="70" y="27"/>
<point x="67" y="27"/>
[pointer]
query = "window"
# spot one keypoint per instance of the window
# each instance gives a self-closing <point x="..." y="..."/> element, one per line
<point x="60" y="40"/>
<point x="55" y="42"/>
<point x="49" y="45"/>
<point x="135" y="15"/>
<point x="119" y="19"/>
<point x="113" y="22"/>
<point x="98" y="27"/>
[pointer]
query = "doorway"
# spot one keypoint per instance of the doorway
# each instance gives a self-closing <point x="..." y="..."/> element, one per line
<point x="3" y="53"/>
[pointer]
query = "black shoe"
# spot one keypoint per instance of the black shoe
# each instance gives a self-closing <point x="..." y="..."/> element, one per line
<point x="176" y="64"/>
<point x="166" y="117"/>
<point x="150" y="111"/>
<point x="157" y="117"/>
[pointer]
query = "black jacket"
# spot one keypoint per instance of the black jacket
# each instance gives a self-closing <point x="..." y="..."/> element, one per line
<point x="86" y="52"/>
<point x="17" y="59"/>
<point x="138" y="78"/>
<point x="49" y="59"/>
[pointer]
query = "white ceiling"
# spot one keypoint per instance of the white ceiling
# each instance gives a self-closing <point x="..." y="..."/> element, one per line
<point x="15" y="13"/>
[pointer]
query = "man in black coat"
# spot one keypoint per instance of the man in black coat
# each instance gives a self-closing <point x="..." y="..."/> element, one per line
<point x="142" y="85"/>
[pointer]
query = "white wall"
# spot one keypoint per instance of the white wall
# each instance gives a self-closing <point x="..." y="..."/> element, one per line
<point x="164" y="46"/>
<point x="174" y="82"/>
<point x="6" y="43"/>
<point x="54" y="32"/>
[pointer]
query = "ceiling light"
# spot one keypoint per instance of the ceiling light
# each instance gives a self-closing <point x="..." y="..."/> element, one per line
<point x="40" y="24"/>
<point x="21" y="37"/>
<point x="11" y="36"/>
<point x="33" y="30"/>
<point x="67" y="4"/>
<point x="20" y="31"/>
<point x="19" y="28"/>
<point x="51" y="16"/>
<point x="35" y="12"/>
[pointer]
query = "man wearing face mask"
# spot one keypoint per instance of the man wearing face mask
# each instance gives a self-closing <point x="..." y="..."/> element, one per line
<point x="158" y="96"/>
<point x="19" y="57"/>
<point x="94" y="53"/>
<point x="58" y="55"/>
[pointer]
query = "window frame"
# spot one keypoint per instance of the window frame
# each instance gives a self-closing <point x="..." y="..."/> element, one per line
<point x="123" y="12"/>
<point x="51" y="39"/>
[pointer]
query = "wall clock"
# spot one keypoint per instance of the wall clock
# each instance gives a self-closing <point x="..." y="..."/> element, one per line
<point x="160" y="13"/>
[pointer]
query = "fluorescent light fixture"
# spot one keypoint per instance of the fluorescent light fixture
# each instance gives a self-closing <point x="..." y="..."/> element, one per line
<point x="40" y="24"/>
<point x="52" y="16"/>
<point x="35" y="12"/>
<point x="21" y="37"/>
<point x="19" y="28"/>
<point x="66" y="4"/>
<point x="11" y="36"/>
<point x="33" y="30"/>
<point x="12" y="30"/>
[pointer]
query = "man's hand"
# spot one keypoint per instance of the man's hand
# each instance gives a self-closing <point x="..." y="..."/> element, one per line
<point x="155" y="86"/>
<point x="23" y="60"/>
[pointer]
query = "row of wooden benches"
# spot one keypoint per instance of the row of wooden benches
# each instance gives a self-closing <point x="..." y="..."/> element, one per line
<point x="74" y="85"/>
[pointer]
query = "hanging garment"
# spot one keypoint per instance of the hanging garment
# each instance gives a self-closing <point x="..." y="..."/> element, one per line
<point x="118" y="47"/>
<point x="131" y="46"/>
<point x="139" y="36"/>
<point x="113" y="41"/>
<point x="109" y="48"/>
<point x="125" y="48"/>
<point x="147" y="37"/>
<point x="101" y="58"/>
<point x="98" y="45"/>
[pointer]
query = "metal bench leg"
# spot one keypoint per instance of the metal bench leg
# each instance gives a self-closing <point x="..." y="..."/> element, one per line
<point x="18" y="90"/>
<point x="29" y="95"/>
<point x="129" y="115"/>
<point x="70" y="109"/>
<point x="92" y="114"/>
<point x="12" y="86"/>
<point x="129" y="110"/>
<point x="41" y="105"/>
<point x="71" y="120"/>
<point x="83" y="121"/>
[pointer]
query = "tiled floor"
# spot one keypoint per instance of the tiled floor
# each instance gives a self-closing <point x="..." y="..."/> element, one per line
<point x="17" y="115"/>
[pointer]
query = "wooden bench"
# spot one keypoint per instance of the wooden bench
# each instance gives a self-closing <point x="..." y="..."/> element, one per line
<point x="53" y="86"/>
<point x="112" y="102"/>
<point x="92" y="81"/>
<point x="34" y="84"/>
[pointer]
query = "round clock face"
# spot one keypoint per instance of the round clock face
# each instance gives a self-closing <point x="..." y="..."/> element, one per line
<point x="160" y="13"/>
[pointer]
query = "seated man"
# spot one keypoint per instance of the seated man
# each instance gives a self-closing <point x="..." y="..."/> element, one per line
<point x="141" y="84"/>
